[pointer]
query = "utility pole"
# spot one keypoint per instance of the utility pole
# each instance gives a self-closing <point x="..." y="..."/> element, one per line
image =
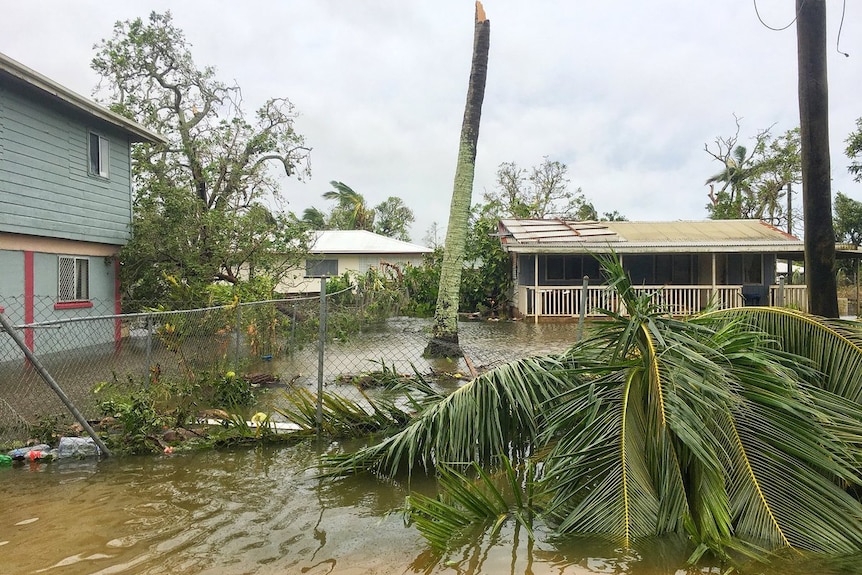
<point x="816" y="173"/>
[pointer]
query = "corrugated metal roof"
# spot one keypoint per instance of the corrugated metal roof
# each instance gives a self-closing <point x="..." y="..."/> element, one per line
<point x="703" y="235"/>
<point x="361" y="242"/>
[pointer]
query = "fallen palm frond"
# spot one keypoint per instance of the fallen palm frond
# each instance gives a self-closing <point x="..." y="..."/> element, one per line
<point x="486" y="501"/>
<point x="740" y="428"/>
<point x="501" y="412"/>
<point x="342" y="417"/>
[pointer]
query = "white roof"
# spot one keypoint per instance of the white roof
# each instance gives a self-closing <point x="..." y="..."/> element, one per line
<point x="361" y="242"/>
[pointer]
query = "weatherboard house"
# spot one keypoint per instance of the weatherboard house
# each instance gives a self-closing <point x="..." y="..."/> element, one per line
<point x="335" y="252"/>
<point x="65" y="201"/>
<point x="685" y="265"/>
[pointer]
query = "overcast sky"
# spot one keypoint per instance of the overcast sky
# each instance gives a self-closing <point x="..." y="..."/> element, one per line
<point x="625" y="92"/>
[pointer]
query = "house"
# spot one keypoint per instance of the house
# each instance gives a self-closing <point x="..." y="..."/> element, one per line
<point x="333" y="252"/>
<point x="65" y="201"/>
<point x="687" y="265"/>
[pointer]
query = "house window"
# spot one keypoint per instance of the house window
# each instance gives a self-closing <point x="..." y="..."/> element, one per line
<point x="74" y="279"/>
<point x="752" y="269"/>
<point x="100" y="155"/>
<point x="320" y="268"/>
<point x="563" y="268"/>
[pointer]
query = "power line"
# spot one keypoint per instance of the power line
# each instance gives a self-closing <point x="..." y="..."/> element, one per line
<point x="841" y="27"/>
<point x="765" y="25"/>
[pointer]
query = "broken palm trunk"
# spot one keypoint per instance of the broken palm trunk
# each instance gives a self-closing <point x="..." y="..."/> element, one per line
<point x="444" y="338"/>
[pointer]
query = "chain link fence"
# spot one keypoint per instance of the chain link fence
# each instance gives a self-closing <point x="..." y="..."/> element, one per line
<point x="275" y="345"/>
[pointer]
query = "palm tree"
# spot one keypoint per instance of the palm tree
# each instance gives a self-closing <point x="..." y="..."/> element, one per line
<point x="314" y="218"/>
<point x="444" y="340"/>
<point x="351" y="213"/>
<point x="740" y="428"/>
<point x="735" y="177"/>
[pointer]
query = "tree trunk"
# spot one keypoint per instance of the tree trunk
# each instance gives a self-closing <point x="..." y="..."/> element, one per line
<point x="814" y="139"/>
<point x="444" y="340"/>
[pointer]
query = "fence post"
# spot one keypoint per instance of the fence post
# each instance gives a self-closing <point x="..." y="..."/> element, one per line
<point x="148" y="372"/>
<point x="780" y="302"/>
<point x="320" y="349"/>
<point x="238" y="337"/>
<point x="34" y="361"/>
<point x="292" y="329"/>
<point x="584" y="289"/>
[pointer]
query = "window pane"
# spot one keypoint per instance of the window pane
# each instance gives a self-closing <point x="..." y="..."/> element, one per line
<point x="555" y="268"/>
<point x="752" y="269"/>
<point x="573" y="268"/>
<point x="104" y="156"/>
<point x="681" y="274"/>
<point x="94" y="154"/>
<point x="319" y="268"/>
<point x="82" y="281"/>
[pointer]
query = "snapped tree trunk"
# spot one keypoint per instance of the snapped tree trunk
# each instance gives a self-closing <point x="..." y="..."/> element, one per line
<point x="444" y="339"/>
<point x="814" y="140"/>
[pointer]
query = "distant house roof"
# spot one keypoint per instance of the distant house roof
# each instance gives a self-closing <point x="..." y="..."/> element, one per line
<point x="361" y="242"/>
<point x="13" y="70"/>
<point x="562" y="236"/>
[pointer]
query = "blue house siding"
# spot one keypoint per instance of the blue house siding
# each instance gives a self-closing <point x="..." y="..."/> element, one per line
<point x="45" y="185"/>
<point x="54" y="202"/>
<point x="12" y="284"/>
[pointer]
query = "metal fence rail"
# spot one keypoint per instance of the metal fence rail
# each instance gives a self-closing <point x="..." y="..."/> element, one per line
<point x="276" y="341"/>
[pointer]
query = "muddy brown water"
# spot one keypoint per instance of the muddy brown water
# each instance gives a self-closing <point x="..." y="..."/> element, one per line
<point x="263" y="511"/>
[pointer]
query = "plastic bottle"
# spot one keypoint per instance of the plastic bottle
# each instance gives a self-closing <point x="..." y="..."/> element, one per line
<point x="39" y="455"/>
<point x="23" y="453"/>
<point x="5" y="460"/>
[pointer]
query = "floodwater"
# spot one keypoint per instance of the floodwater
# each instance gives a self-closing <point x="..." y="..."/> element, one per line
<point x="263" y="511"/>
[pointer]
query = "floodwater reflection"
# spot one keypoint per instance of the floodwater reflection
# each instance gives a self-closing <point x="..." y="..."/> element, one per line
<point x="262" y="511"/>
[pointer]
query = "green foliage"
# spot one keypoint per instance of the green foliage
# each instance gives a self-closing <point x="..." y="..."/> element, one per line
<point x="854" y="151"/>
<point x="753" y="182"/>
<point x="136" y="414"/>
<point x="540" y="192"/>
<point x="199" y="209"/>
<point x="486" y="281"/>
<point x="343" y="417"/>
<point x="421" y="284"/>
<point x="393" y="219"/>
<point x="48" y="428"/>
<point x="142" y="413"/>
<point x="231" y="392"/>
<point x="350" y="212"/>
<point x="487" y="503"/>
<point x="848" y="219"/>
<point x="739" y="428"/>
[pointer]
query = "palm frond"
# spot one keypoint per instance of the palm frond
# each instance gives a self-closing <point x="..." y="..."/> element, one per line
<point x="833" y="347"/>
<point x="501" y="412"/>
<point x="482" y="503"/>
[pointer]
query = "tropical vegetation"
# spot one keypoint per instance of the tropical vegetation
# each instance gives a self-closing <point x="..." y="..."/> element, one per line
<point x="755" y="181"/>
<point x="201" y="201"/>
<point x="739" y="429"/>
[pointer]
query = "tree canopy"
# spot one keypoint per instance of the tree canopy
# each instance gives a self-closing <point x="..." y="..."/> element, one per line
<point x="393" y="218"/>
<point x="848" y="219"/>
<point x="542" y="191"/>
<point x="753" y="180"/>
<point x="854" y="151"/>
<point x="201" y="202"/>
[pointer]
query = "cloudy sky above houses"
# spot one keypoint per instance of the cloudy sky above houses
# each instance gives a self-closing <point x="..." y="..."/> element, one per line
<point x="626" y="93"/>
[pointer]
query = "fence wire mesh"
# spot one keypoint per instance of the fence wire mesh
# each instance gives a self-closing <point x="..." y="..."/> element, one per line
<point x="272" y="344"/>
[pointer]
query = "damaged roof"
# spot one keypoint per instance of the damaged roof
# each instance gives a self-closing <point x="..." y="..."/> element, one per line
<point x="565" y="236"/>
